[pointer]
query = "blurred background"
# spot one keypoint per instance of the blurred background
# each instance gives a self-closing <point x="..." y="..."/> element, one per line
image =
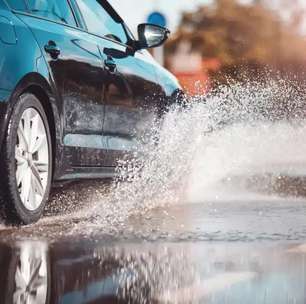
<point x="213" y="41"/>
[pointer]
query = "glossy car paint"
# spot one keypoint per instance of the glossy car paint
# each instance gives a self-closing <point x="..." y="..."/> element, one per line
<point x="96" y="113"/>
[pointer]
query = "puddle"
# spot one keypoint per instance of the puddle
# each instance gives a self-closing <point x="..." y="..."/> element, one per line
<point x="99" y="272"/>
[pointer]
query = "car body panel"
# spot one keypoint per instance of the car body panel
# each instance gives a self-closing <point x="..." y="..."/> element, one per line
<point x="79" y="78"/>
<point x="13" y="67"/>
<point x="131" y="96"/>
<point x="7" y="31"/>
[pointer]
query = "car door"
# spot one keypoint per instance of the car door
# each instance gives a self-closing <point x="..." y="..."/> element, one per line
<point x="132" y="100"/>
<point x="76" y="69"/>
<point x="131" y="89"/>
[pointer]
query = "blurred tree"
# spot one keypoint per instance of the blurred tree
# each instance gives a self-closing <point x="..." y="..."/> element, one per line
<point x="245" y="36"/>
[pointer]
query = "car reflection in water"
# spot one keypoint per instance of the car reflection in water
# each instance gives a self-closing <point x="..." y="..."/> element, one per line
<point x="35" y="272"/>
<point x="98" y="272"/>
<point x="28" y="275"/>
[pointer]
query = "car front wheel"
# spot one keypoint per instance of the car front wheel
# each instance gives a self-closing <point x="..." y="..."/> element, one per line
<point x="26" y="162"/>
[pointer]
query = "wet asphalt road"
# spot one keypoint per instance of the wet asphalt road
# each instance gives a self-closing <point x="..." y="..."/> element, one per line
<point x="250" y="248"/>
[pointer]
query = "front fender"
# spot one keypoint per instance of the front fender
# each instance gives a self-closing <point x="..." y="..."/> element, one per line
<point x="36" y="84"/>
<point x="4" y="102"/>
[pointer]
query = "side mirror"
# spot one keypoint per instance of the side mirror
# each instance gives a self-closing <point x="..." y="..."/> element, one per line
<point x="151" y="36"/>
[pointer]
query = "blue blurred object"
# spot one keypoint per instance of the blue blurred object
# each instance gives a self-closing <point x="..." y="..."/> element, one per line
<point x="157" y="18"/>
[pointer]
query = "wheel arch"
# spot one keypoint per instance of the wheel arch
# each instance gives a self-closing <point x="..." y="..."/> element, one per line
<point x="37" y="85"/>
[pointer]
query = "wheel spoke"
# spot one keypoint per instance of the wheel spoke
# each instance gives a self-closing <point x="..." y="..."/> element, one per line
<point x="21" y="172"/>
<point x="37" y="181"/>
<point x="32" y="196"/>
<point x="39" y="141"/>
<point x="19" y="157"/>
<point x="27" y="126"/>
<point x="26" y="185"/>
<point x="34" y="132"/>
<point x="22" y="166"/>
<point x="22" y="137"/>
<point x="20" y="160"/>
<point x="42" y="167"/>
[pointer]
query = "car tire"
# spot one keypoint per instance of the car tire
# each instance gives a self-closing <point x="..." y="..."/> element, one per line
<point x="26" y="162"/>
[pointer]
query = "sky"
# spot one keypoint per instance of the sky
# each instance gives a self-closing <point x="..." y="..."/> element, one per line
<point x="136" y="11"/>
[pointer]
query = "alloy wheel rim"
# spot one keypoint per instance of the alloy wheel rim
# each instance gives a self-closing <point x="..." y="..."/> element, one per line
<point x="32" y="159"/>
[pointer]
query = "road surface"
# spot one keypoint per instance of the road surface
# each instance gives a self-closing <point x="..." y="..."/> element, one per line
<point x="236" y="251"/>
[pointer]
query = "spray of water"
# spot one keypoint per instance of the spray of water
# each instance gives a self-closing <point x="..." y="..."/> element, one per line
<point x="236" y="129"/>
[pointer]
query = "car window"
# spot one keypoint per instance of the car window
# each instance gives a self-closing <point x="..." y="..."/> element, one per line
<point x="57" y="10"/>
<point x="17" y="4"/>
<point x="99" y="22"/>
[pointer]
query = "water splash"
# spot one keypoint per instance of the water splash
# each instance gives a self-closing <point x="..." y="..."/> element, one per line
<point x="235" y="129"/>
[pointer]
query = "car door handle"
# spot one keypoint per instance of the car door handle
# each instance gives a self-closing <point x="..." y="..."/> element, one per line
<point x="110" y="64"/>
<point x="52" y="49"/>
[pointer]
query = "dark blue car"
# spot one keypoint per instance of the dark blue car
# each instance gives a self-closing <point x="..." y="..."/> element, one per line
<point x="77" y="91"/>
